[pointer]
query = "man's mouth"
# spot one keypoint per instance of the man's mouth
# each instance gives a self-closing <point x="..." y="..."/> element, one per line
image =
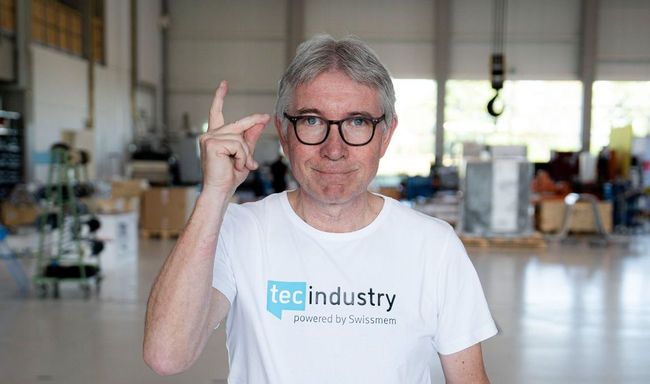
<point x="334" y="171"/>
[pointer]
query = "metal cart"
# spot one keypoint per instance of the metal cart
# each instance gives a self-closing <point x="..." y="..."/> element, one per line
<point x="67" y="248"/>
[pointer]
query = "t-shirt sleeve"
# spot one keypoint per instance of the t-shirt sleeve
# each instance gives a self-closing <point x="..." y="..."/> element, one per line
<point x="463" y="316"/>
<point x="223" y="278"/>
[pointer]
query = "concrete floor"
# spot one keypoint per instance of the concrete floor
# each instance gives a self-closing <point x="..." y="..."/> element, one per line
<point x="567" y="314"/>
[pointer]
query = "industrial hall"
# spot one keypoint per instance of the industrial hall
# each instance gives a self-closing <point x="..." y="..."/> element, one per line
<point x="324" y="191"/>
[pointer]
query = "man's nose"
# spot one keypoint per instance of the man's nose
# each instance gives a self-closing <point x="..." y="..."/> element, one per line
<point x="334" y="148"/>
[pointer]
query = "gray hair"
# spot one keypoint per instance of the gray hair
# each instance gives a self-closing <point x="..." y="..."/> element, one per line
<point x="349" y="55"/>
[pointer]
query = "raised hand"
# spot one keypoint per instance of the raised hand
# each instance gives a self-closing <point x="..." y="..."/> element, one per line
<point x="227" y="149"/>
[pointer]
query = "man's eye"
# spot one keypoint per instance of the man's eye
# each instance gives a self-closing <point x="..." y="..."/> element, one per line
<point x="358" y="121"/>
<point x="312" y="120"/>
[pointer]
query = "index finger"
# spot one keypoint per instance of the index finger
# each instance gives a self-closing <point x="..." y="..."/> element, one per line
<point x="216" y="110"/>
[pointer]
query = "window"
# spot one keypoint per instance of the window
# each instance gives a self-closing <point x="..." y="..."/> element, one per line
<point x="618" y="104"/>
<point x="8" y="16"/>
<point x="411" y="150"/>
<point x="59" y="24"/>
<point x="543" y="115"/>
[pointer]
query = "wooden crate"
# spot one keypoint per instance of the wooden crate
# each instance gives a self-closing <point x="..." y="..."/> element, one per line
<point x="534" y="240"/>
<point x="163" y="234"/>
<point x="549" y="216"/>
<point x="12" y="215"/>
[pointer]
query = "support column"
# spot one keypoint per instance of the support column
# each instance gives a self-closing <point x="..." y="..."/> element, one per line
<point x="165" y="22"/>
<point x="441" y="61"/>
<point x="134" y="63"/>
<point x="22" y="91"/>
<point x="295" y="27"/>
<point x="587" y="66"/>
<point x="89" y="53"/>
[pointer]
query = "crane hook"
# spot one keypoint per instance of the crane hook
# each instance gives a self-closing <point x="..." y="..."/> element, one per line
<point x="490" y="106"/>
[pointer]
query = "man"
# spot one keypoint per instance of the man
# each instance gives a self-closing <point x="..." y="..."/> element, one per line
<point x="279" y="173"/>
<point x="328" y="283"/>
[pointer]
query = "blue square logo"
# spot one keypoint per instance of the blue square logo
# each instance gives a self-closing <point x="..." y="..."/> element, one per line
<point x="285" y="295"/>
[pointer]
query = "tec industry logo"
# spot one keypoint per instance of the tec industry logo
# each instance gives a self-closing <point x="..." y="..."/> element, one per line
<point x="297" y="295"/>
<point x="281" y="295"/>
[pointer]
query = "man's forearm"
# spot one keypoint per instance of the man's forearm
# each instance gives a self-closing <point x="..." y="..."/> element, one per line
<point x="180" y="310"/>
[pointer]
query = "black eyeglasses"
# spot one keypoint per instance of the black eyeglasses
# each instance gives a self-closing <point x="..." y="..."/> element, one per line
<point x="355" y="131"/>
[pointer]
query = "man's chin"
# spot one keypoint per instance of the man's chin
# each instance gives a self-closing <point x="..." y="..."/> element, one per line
<point x="335" y="194"/>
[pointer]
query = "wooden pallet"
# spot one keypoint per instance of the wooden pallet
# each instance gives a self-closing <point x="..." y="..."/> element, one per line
<point x="534" y="240"/>
<point x="163" y="234"/>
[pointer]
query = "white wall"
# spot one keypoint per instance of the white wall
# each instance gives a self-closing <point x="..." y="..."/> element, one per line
<point x="150" y="51"/>
<point x="542" y="39"/>
<point x="623" y="40"/>
<point x="400" y="32"/>
<point x="112" y="89"/>
<point x="60" y="89"/>
<point x="239" y="41"/>
<point x="60" y="103"/>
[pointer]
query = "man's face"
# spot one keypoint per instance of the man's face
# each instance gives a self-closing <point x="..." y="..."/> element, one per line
<point x="334" y="172"/>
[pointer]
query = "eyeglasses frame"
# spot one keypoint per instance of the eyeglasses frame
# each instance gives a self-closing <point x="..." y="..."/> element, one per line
<point x="373" y="120"/>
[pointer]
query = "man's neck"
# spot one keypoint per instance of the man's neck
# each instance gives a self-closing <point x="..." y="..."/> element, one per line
<point x="336" y="217"/>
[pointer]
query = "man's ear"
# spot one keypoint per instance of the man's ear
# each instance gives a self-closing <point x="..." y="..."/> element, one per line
<point x="387" y="135"/>
<point x="281" y="134"/>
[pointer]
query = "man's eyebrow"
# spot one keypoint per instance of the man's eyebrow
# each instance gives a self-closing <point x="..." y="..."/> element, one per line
<point x="304" y="111"/>
<point x="359" y="113"/>
<point x="316" y="111"/>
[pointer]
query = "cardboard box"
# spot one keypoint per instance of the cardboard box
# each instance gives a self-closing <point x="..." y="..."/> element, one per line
<point x="549" y="216"/>
<point x="114" y="205"/>
<point x="128" y="188"/>
<point x="13" y="215"/>
<point x="167" y="209"/>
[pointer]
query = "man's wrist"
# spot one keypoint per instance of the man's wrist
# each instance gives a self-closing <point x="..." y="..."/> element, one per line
<point x="212" y="196"/>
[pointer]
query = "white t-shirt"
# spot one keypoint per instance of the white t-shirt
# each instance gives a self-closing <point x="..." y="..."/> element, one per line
<point x="369" y="306"/>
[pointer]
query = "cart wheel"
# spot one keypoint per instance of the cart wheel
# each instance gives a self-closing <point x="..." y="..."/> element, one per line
<point x="41" y="290"/>
<point x="85" y="287"/>
<point x="55" y="290"/>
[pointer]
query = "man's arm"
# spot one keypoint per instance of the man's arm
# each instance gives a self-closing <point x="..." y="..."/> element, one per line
<point x="465" y="367"/>
<point x="183" y="307"/>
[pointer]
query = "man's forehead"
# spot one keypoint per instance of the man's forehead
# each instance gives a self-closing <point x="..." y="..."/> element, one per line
<point x="335" y="90"/>
<point x="330" y="77"/>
